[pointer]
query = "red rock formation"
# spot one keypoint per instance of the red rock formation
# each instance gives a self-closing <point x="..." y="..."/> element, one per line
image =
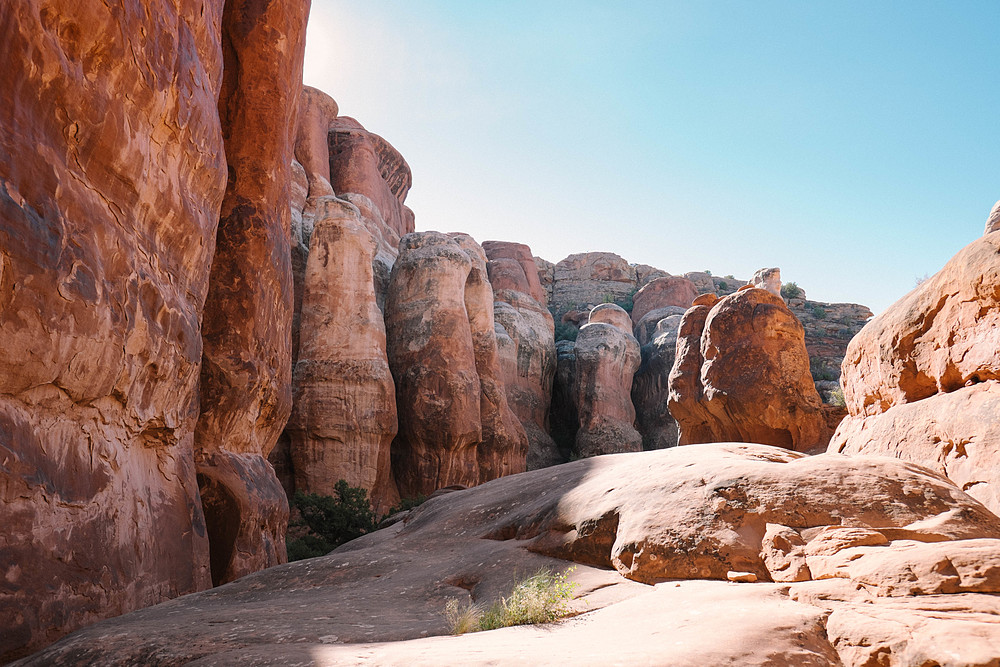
<point x="344" y="415"/>
<point x="607" y="356"/>
<point x="246" y="366"/>
<point x="662" y="292"/>
<point x="103" y="273"/>
<point x="528" y="362"/>
<point x="920" y="379"/>
<point x="433" y="363"/>
<point x="651" y="388"/>
<point x="752" y="382"/>
<point x="317" y="111"/>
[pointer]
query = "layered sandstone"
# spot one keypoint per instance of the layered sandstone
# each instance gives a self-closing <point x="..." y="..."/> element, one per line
<point x="344" y="416"/>
<point x="921" y="379"/>
<point x="890" y="575"/>
<point x="749" y="379"/>
<point x="607" y="356"/>
<point x="504" y="445"/>
<point x="525" y="343"/>
<point x="586" y="278"/>
<point x="246" y="369"/>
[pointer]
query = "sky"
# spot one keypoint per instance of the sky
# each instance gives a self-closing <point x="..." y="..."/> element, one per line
<point x="855" y="145"/>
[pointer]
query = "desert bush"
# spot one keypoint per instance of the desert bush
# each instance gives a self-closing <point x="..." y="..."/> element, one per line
<point x="566" y="331"/>
<point x="541" y="598"/>
<point x="791" y="291"/>
<point x="837" y="398"/>
<point x="723" y="284"/>
<point x="819" y="312"/>
<point x="323" y="523"/>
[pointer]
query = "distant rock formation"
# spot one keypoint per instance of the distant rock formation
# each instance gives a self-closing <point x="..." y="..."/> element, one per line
<point x="993" y="222"/>
<point x="767" y="279"/>
<point x="663" y="292"/>
<point x="607" y="356"/>
<point x="922" y="379"/>
<point x="742" y="374"/>
<point x="528" y="360"/>
<point x="344" y="416"/>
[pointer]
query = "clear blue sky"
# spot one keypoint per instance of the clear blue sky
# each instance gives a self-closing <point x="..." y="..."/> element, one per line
<point x="854" y="144"/>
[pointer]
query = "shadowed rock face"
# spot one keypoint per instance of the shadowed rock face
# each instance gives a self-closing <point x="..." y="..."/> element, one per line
<point x="921" y="378"/>
<point x="103" y="273"/>
<point x="344" y="416"/>
<point x="892" y="563"/>
<point x="749" y="379"/>
<point x="433" y="362"/>
<point x="525" y="343"/>
<point x="607" y="356"/>
<point x="651" y="386"/>
<point x="246" y="366"/>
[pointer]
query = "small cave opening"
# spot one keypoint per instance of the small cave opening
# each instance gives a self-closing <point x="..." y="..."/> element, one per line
<point x="222" y="520"/>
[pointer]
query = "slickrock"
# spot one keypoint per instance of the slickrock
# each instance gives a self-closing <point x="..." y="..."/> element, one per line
<point x="672" y="517"/>
<point x="921" y="379"/>
<point x="434" y="366"/>
<point x="344" y="416"/>
<point x="607" y="357"/>
<point x="504" y="446"/>
<point x="246" y="367"/>
<point x="651" y="387"/>
<point x="528" y="362"/>
<point x="768" y="279"/>
<point x="103" y="273"/>
<point x="663" y="292"/>
<point x="749" y="380"/>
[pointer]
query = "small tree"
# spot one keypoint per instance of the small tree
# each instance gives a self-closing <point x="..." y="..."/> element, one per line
<point x="791" y="291"/>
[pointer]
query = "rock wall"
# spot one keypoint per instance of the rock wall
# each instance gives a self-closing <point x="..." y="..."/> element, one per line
<point x="920" y="380"/>
<point x="528" y="361"/>
<point x="246" y="368"/>
<point x="651" y="386"/>
<point x="749" y="379"/>
<point x="344" y="416"/>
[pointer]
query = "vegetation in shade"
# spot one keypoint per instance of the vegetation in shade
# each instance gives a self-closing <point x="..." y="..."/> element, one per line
<point x="320" y="524"/>
<point x="541" y="598"/>
<point x="566" y="331"/>
<point x="837" y="398"/>
<point x="821" y="370"/>
<point x="819" y="312"/>
<point x="791" y="291"/>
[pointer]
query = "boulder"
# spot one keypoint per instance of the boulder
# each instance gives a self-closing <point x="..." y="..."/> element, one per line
<point x="344" y="416"/>
<point x="246" y="369"/>
<point x="504" y="446"/>
<point x="650" y="324"/>
<point x="607" y="356"/>
<point x="663" y="292"/>
<point x="433" y="363"/>
<point x="528" y="362"/>
<point x="702" y="281"/>
<point x="753" y="382"/>
<point x="767" y="279"/>
<point x="921" y="378"/>
<point x="675" y="517"/>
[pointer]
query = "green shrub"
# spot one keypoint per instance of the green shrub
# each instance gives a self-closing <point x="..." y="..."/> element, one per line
<point x="791" y="291"/>
<point x="566" y="331"/>
<point x="723" y="284"/>
<point x="541" y="598"/>
<point x="707" y="272"/>
<point x="819" y="312"/>
<point x="837" y="398"/>
<point x="627" y="302"/>
<point x="323" y="523"/>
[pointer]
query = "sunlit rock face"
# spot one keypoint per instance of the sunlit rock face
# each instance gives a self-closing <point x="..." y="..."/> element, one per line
<point x="741" y="373"/>
<point x="921" y="379"/>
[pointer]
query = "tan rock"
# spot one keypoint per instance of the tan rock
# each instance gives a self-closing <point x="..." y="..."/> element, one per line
<point x="528" y="363"/>
<point x="783" y="553"/>
<point x="546" y="277"/>
<point x="344" y="416"/>
<point x="433" y="362"/>
<point x="662" y="292"/>
<point x="768" y="279"/>
<point x="607" y="357"/>
<point x="246" y="369"/>
<point x="656" y="322"/>
<point x="504" y="446"/>
<point x="753" y="383"/>
<point x="993" y="222"/>
<point x="591" y="277"/>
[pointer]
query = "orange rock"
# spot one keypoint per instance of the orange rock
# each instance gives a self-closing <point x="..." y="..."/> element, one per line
<point x="525" y="343"/>
<point x="504" y="446"/>
<point x="661" y="292"/>
<point x="344" y="416"/>
<point x="607" y="357"/>
<point x="246" y="331"/>
<point x="317" y="110"/>
<point x="749" y="380"/>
